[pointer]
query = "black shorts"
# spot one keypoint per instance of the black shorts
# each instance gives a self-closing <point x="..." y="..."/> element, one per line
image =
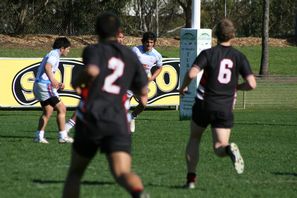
<point x="53" y="101"/>
<point x="87" y="146"/>
<point x="217" y="119"/>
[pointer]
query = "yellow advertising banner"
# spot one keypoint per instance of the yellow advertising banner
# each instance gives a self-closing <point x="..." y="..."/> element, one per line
<point x="17" y="76"/>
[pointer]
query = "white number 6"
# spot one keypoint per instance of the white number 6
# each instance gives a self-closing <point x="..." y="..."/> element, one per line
<point x="225" y="73"/>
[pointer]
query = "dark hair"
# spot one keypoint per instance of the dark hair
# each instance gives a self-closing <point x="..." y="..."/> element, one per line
<point x="225" y="30"/>
<point x="148" y="36"/>
<point x="107" y="25"/>
<point x="61" y="42"/>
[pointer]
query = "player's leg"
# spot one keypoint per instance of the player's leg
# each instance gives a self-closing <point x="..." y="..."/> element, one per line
<point x="120" y="166"/>
<point x="47" y="111"/>
<point x="61" y="114"/>
<point x="192" y="153"/>
<point x="220" y="140"/>
<point x="76" y="170"/>
<point x="138" y="109"/>
<point x="71" y="122"/>
<point x="222" y="148"/>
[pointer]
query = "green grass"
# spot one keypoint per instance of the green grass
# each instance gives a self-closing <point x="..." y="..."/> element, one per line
<point x="267" y="138"/>
<point x="282" y="60"/>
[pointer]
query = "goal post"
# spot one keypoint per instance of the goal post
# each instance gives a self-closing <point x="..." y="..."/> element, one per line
<point x="192" y="42"/>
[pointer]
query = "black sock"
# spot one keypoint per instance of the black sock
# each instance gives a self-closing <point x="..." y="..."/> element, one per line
<point x="228" y="150"/>
<point x="191" y="177"/>
<point x="136" y="194"/>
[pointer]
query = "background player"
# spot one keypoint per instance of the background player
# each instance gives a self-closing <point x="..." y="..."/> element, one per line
<point x="45" y="90"/>
<point x="110" y="69"/>
<point x="213" y="105"/>
<point x="149" y="57"/>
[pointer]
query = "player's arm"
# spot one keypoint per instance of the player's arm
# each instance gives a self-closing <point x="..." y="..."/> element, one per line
<point x="85" y="77"/>
<point x="190" y="75"/>
<point x="51" y="76"/>
<point x="155" y="74"/>
<point x="248" y="84"/>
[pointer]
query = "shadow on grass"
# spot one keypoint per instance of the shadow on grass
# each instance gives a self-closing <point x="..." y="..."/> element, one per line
<point x="285" y="174"/>
<point x="264" y="124"/>
<point x="17" y="136"/>
<point x="100" y="183"/>
<point x="181" y="187"/>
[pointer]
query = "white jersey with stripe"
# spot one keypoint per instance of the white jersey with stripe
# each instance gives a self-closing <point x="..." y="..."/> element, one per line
<point x="149" y="58"/>
<point x="53" y="58"/>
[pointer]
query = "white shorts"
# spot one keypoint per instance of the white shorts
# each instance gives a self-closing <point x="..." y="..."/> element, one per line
<point x="44" y="91"/>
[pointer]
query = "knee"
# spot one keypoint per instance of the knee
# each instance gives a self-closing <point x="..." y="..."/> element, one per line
<point x="62" y="110"/>
<point x="47" y="115"/>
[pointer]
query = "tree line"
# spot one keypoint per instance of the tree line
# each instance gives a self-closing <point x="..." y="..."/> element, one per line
<point x="165" y="17"/>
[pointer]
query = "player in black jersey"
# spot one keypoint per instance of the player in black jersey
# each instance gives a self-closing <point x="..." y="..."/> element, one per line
<point x="214" y="101"/>
<point x="110" y="70"/>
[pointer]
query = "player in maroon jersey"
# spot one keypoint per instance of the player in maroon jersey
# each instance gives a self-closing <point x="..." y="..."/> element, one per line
<point x="222" y="65"/>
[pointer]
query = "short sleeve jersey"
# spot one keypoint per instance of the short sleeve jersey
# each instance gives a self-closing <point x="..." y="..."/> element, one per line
<point x="149" y="58"/>
<point x="120" y="70"/>
<point x="222" y="66"/>
<point x="53" y="58"/>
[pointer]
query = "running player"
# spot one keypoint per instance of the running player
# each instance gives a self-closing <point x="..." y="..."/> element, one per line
<point x="149" y="57"/>
<point x="110" y="70"/>
<point x="45" y="90"/>
<point x="71" y="122"/>
<point x="213" y="105"/>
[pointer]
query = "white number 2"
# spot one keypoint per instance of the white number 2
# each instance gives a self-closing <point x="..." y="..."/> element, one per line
<point x="225" y="73"/>
<point x="117" y="66"/>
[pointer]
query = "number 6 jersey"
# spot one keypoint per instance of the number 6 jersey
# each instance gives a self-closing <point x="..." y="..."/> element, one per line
<point x="222" y="66"/>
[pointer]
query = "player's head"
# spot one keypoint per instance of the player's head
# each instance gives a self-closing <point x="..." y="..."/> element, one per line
<point x="107" y="25"/>
<point x="63" y="44"/>
<point x="225" y="30"/>
<point x="148" y="40"/>
<point x="120" y="36"/>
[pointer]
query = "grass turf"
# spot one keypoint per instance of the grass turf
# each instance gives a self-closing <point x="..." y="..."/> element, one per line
<point x="266" y="137"/>
<point x="282" y="60"/>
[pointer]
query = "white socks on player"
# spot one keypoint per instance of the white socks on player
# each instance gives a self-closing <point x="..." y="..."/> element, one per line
<point x="63" y="134"/>
<point x="69" y="125"/>
<point x="39" y="134"/>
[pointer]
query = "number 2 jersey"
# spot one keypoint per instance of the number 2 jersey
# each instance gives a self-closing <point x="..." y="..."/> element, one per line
<point x="103" y="105"/>
<point x="222" y="66"/>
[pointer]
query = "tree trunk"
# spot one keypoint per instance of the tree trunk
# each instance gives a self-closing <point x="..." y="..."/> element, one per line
<point x="187" y="8"/>
<point x="265" y="37"/>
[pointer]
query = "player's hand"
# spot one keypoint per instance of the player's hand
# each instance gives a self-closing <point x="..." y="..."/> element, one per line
<point x="145" y="66"/>
<point x="182" y="92"/>
<point x="150" y="79"/>
<point x="56" y="84"/>
<point x="78" y="90"/>
<point x="61" y="86"/>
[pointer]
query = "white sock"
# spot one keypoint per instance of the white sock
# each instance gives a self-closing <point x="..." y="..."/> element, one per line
<point x="62" y="134"/>
<point x="39" y="134"/>
<point x="70" y="124"/>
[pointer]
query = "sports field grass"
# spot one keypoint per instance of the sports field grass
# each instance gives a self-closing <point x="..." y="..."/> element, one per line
<point x="266" y="137"/>
<point x="282" y="60"/>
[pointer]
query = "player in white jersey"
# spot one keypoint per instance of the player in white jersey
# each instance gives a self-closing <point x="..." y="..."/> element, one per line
<point x="45" y="90"/>
<point x="149" y="57"/>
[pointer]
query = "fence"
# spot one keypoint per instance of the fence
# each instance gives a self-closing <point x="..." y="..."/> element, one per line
<point x="272" y="91"/>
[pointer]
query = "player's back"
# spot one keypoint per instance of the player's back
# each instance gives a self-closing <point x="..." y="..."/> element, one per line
<point x="120" y="70"/>
<point x="220" y="78"/>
